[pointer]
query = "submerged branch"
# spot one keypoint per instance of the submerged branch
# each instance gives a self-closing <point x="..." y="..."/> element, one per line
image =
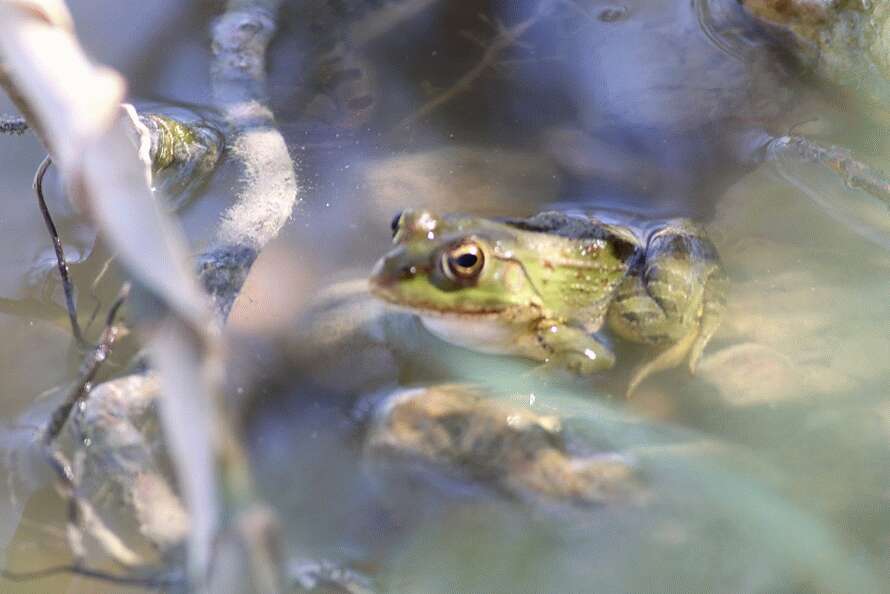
<point x="855" y="173"/>
<point x="154" y="582"/>
<point x="385" y="19"/>
<point x="268" y="191"/>
<point x="505" y="38"/>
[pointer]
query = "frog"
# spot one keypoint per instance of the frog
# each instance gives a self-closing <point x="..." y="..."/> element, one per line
<point x="544" y="288"/>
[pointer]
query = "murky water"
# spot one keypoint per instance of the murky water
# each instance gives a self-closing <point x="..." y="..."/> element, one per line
<point x="769" y="470"/>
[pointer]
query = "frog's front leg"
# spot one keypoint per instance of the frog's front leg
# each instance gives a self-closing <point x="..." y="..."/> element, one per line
<point x="674" y="299"/>
<point x="567" y="347"/>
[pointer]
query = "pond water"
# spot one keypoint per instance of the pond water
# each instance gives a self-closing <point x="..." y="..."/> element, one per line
<point x="767" y="471"/>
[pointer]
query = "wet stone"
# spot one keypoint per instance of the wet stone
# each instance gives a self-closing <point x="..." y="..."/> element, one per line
<point x="612" y="14"/>
<point x="844" y="42"/>
<point x="455" y="431"/>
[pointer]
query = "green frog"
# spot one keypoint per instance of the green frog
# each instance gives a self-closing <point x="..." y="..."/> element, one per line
<point x="543" y="287"/>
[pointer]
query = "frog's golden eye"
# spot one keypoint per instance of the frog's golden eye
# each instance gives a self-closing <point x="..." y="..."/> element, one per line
<point x="463" y="262"/>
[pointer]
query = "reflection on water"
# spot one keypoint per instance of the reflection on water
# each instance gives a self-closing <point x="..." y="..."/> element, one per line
<point x="768" y="470"/>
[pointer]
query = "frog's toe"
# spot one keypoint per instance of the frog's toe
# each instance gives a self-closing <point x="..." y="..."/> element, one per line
<point x="588" y="362"/>
<point x="695" y="354"/>
<point x="671" y="357"/>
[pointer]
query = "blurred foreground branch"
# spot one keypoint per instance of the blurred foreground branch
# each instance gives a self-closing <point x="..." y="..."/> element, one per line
<point x="77" y="104"/>
<point x="231" y="539"/>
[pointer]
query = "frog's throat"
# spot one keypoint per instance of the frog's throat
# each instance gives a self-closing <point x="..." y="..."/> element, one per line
<point x="490" y="335"/>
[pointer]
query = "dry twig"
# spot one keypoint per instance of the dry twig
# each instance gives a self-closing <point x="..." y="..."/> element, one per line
<point x="61" y="263"/>
<point x="88" y="370"/>
<point x="154" y="582"/>
<point x="841" y="161"/>
<point x="81" y="515"/>
<point x="505" y="38"/>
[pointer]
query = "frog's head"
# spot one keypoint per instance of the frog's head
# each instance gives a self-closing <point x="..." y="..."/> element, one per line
<point x="455" y="266"/>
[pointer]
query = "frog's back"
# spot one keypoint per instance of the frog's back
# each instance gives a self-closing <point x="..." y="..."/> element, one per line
<point x="626" y="240"/>
<point x="576" y="263"/>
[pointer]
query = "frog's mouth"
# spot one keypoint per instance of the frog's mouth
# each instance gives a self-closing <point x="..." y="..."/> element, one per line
<point x="386" y="290"/>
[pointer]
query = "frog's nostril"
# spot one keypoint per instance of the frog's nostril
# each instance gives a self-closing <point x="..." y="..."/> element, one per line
<point x="389" y="271"/>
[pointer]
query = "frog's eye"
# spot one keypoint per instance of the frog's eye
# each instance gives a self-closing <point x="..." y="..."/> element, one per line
<point x="463" y="262"/>
<point x="394" y="225"/>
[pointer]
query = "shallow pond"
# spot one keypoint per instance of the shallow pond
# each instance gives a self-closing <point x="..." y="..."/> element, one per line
<point x="767" y="471"/>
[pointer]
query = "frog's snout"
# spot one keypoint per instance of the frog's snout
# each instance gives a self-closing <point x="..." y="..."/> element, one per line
<point x="390" y="270"/>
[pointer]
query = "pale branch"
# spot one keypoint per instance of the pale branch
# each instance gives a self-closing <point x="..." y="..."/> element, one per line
<point x="77" y="104"/>
<point x="268" y="190"/>
<point x="264" y="201"/>
<point x="841" y="161"/>
<point x="152" y="582"/>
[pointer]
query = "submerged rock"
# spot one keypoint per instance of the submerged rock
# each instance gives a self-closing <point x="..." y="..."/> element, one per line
<point x="805" y="296"/>
<point x="456" y="431"/>
<point x="847" y="42"/>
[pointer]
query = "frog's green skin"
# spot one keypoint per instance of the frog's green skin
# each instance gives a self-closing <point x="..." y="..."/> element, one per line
<point x="545" y="285"/>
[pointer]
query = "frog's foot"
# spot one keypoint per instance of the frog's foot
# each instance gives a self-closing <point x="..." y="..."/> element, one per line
<point x="672" y="356"/>
<point x="569" y="348"/>
<point x="713" y="306"/>
<point x="677" y="298"/>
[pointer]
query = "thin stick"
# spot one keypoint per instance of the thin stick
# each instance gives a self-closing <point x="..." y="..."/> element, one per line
<point x="145" y="582"/>
<point x="855" y="173"/>
<point x="80" y="513"/>
<point x="88" y="370"/>
<point x="60" y="252"/>
<point x="504" y="39"/>
<point x="94" y="287"/>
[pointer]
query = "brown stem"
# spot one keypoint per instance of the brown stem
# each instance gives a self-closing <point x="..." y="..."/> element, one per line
<point x="855" y="173"/>
<point x="88" y="370"/>
<point x="62" y="265"/>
